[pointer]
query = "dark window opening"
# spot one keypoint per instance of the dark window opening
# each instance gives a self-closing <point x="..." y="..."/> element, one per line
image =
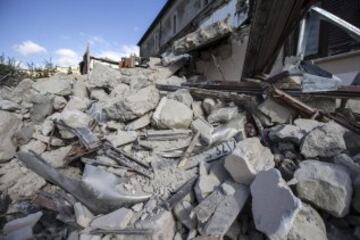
<point x="206" y="2"/>
<point x="325" y="39"/>
<point x="174" y="24"/>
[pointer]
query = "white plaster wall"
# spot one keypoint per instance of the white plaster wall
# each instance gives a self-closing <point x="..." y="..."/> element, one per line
<point x="230" y="56"/>
<point x="345" y="66"/>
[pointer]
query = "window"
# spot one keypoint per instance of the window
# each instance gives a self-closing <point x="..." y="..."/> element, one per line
<point x="174" y="24"/>
<point x="206" y="2"/>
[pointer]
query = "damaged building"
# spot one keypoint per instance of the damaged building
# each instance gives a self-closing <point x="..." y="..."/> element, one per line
<point x="216" y="34"/>
<point x="235" y="123"/>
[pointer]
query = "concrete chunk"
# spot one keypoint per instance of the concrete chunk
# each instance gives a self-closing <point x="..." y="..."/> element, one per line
<point x="59" y="102"/>
<point x="57" y="157"/>
<point x="275" y="111"/>
<point x="77" y="103"/>
<point x="308" y="225"/>
<point x="182" y="212"/>
<point x="325" y="185"/>
<point x="201" y="37"/>
<point x="287" y="133"/>
<point x="21" y="228"/>
<point x="139" y="123"/>
<point x="183" y="96"/>
<point x="206" y="208"/>
<point x="83" y="215"/>
<point x="42" y="107"/>
<point x="324" y="141"/>
<point x="162" y="224"/>
<point x="307" y="125"/>
<point x="9" y="124"/>
<point x="249" y="158"/>
<point x="172" y="114"/>
<point x="116" y="220"/>
<point x="206" y="183"/>
<point x="73" y="119"/>
<point x="59" y="84"/>
<point x="223" y="115"/>
<point x="227" y="211"/>
<point x="274" y="206"/>
<point x="346" y="161"/>
<point x="35" y="146"/>
<point x="134" y="105"/>
<point x="122" y="138"/>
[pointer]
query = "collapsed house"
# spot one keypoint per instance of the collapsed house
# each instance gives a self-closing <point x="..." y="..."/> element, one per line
<point x="179" y="147"/>
<point x="324" y="43"/>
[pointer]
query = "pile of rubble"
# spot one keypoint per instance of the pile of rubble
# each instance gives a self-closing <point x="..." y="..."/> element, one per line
<point x="110" y="156"/>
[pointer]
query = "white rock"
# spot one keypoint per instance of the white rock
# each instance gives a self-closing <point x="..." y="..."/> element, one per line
<point x="137" y="207"/>
<point x="83" y="215"/>
<point x="349" y="164"/>
<point x="23" y="91"/>
<point x="198" y="110"/>
<point x="276" y="112"/>
<point x="274" y="206"/>
<point x="183" y="96"/>
<point x="48" y="125"/>
<point x="73" y="119"/>
<point x="104" y="76"/>
<point x="227" y="211"/>
<point x="248" y="159"/>
<point x="325" y="185"/>
<point x="209" y="105"/>
<point x="121" y="91"/>
<point x="99" y="94"/>
<point x="162" y="224"/>
<point x="173" y="80"/>
<point x="21" y="228"/>
<point x="325" y="141"/>
<point x="307" y="125"/>
<point x="134" y="105"/>
<point x="42" y="107"/>
<point x="172" y="114"/>
<point x="18" y="181"/>
<point x="308" y="225"/>
<point x="206" y="183"/>
<point x="182" y="212"/>
<point x="59" y="102"/>
<point x="139" y="81"/>
<point x="77" y="103"/>
<point x="206" y="129"/>
<point x="9" y="124"/>
<point x="139" y="123"/>
<point x="35" y="146"/>
<point x="56" y="157"/>
<point x="116" y="220"/>
<point x="287" y="133"/>
<point x="80" y="89"/>
<point x="122" y="138"/>
<point x="58" y="85"/>
<point x="8" y="105"/>
<point x="223" y="115"/>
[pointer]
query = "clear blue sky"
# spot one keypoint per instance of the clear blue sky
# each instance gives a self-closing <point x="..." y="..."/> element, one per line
<point x="33" y="30"/>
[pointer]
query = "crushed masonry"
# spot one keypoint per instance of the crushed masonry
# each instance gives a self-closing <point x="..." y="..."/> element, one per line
<point x="154" y="150"/>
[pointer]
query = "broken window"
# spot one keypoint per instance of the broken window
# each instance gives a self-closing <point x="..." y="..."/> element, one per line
<point x="325" y="39"/>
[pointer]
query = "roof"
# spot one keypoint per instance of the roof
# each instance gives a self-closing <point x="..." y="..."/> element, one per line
<point x="163" y="10"/>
